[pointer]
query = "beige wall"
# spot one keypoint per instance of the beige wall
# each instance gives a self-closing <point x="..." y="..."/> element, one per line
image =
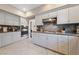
<point x="11" y="9"/>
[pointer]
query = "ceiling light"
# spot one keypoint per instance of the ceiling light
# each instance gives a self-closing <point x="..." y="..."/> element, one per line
<point x="24" y="9"/>
<point x="50" y="19"/>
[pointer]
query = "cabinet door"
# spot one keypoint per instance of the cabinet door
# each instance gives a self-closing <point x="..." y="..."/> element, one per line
<point x="62" y="17"/>
<point x="77" y="46"/>
<point x="44" y="16"/>
<point x="7" y="39"/>
<point x="63" y="44"/>
<point x="52" y="42"/>
<point x="53" y="14"/>
<point x="9" y="19"/>
<point x="42" y="39"/>
<point x="2" y="17"/>
<point x="74" y="14"/>
<point x="16" y="36"/>
<point x="16" y="20"/>
<point x="1" y="38"/>
<point x="73" y="45"/>
<point x="34" y="38"/>
<point x="38" y="20"/>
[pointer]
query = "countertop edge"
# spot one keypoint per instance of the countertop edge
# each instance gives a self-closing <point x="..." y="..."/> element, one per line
<point x="68" y="34"/>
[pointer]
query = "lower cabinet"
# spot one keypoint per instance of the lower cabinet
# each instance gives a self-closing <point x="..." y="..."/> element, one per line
<point x="42" y="39"/>
<point x="1" y="36"/>
<point x="52" y="42"/>
<point x="34" y="38"/>
<point x="63" y="44"/>
<point x="16" y="36"/>
<point x="39" y="39"/>
<point x="7" y="38"/>
<point x="73" y="45"/>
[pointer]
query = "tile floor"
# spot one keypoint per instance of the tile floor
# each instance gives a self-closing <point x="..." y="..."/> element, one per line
<point x="25" y="47"/>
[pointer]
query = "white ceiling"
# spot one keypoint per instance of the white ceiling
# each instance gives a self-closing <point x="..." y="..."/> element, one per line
<point x="26" y="7"/>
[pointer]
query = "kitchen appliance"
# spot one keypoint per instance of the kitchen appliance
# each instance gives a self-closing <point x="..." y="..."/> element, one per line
<point x="24" y="30"/>
<point x="50" y="20"/>
<point x="4" y="29"/>
<point x="78" y="29"/>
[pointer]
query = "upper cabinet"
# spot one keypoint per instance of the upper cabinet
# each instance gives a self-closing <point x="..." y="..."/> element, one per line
<point x="62" y="17"/>
<point x="74" y="14"/>
<point x="38" y="20"/>
<point x="9" y="19"/>
<point x="16" y="20"/>
<point x="53" y="14"/>
<point x="44" y="16"/>
<point x="2" y="19"/>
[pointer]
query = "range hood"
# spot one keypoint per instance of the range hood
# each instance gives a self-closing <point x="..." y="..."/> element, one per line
<point x="50" y="20"/>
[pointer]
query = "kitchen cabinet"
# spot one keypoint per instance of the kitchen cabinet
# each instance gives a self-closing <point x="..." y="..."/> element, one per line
<point x="74" y="14"/>
<point x="16" y="20"/>
<point x="9" y="19"/>
<point x="35" y="38"/>
<point x="16" y="36"/>
<point x="45" y="16"/>
<point x="1" y="38"/>
<point x="77" y="45"/>
<point x="73" y="45"/>
<point x="7" y="38"/>
<point x="52" y="42"/>
<point x="2" y="17"/>
<point x="42" y="39"/>
<point x="53" y="14"/>
<point x="38" y="20"/>
<point x="63" y="44"/>
<point x="62" y="17"/>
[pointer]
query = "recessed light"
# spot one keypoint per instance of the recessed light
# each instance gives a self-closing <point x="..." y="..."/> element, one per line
<point x="50" y="19"/>
<point x="24" y="9"/>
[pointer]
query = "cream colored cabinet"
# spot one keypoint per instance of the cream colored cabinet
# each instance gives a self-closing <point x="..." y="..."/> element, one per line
<point x="77" y="45"/>
<point x="34" y="38"/>
<point x="62" y="17"/>
<point x="8" y="19"/>
<point x="42" y="39"/>
<point x="74" y="14"/>
<point x="38" y="20"/>
<point x="16" y="20"/>
<point x="53" y="14"/>
<point x="45" y="16"/>
<point x="11" y="19"/>
<point x="73" y="43"/>
<point x="7" y="39"/>
<point x="52" y="42"/>
<point x="1" y="38"/>
<point x="2" y="17"/>
<point x="16" y="36"/>
<point x="63" y="44"/>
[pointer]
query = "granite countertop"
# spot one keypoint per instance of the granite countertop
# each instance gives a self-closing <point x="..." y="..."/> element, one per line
<point x="59" y="33"/>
